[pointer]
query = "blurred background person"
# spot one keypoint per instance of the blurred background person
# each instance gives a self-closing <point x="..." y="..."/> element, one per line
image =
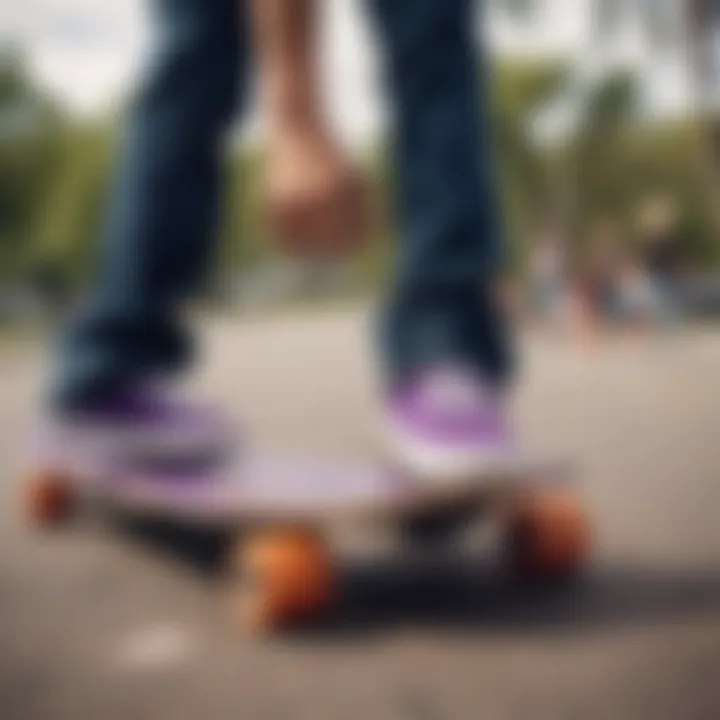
<point x="637" y="304"/>
<point x="596" y="280"/>
<point x="662" y="255"/>
<point x="549" y="288"/>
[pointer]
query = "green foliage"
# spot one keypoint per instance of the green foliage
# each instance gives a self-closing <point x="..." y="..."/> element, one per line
<point x="29" y="149"/>
<point x="666" y="160"/>
<point x="68" y="224"/>
<point x="518" y="91"/>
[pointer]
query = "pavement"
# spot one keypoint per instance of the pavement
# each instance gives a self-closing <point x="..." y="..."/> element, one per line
<point x="114" y="621"/>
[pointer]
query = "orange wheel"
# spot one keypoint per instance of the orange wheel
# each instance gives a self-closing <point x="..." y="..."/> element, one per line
<point x="49" y="498"/>
<point x="548" y="536"/>
<point x="286" y="576"/>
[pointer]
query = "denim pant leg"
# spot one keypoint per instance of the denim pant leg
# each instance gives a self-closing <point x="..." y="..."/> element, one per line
<point x="441" y="307"/>
<point x="163" y="211"/>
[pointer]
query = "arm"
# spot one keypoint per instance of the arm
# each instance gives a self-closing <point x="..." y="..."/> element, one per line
<point x="315" y="198"/>
<point x="285" y="33"/>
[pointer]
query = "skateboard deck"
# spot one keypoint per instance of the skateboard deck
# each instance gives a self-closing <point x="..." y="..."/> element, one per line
<point x="264" y="486"/>
<point x="276" y="508"/>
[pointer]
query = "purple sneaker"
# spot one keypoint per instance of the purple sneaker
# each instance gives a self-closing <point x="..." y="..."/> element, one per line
<point x="146" y="424"/>
<point x="445" y="424"/>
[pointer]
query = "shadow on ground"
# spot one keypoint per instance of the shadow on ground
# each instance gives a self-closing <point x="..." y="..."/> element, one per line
<point x="453" y="592"/>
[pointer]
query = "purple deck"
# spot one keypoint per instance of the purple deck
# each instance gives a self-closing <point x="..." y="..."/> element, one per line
<point x="269" y="486"/>
<point x="272" y="487"/>
<point x="266" y="487"/>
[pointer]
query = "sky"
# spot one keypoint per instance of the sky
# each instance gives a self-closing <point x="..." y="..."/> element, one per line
<point x="88" y="53"/>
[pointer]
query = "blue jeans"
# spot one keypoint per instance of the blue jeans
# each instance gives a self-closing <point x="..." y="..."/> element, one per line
<point x="164" y="210"/>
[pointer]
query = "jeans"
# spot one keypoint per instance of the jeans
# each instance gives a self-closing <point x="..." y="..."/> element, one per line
<point x="159" y="230"/>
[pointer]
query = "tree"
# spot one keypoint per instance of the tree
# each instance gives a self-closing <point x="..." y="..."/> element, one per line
<point x="67" y="225"/>
<point x="703" y="21"/>
<point x="519" y="89"/>
<point x="30" y="144"/>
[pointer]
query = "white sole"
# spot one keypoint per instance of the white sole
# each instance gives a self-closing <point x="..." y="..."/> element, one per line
<point x="439" y="465"/>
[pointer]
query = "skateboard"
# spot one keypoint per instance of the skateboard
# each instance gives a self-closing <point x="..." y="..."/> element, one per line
<point x="279" y="512"/>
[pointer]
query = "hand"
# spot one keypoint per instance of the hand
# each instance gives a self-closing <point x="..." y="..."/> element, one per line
<point x="316" y="199"/>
